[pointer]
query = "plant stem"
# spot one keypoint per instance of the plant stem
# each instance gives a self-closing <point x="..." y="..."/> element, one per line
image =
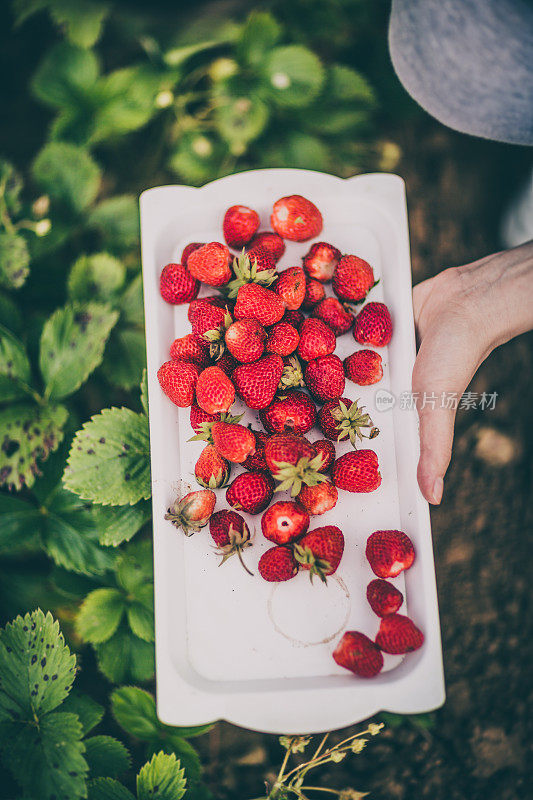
<point x="319" y="789"/>
<point x="321" y="745"/>
<point x="283" y="765"/>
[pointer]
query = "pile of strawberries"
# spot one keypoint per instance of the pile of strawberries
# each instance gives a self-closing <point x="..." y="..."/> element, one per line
<point x="253" y="341"/>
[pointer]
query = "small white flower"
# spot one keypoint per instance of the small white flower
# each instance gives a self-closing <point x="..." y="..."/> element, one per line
<point x="202" y="146"/>
<point x="43" y="227"/>
<point x="164" y="98"/>
<point x="280" y="80"/>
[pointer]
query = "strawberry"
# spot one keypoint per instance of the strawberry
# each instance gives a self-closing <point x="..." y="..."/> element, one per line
<point x="178" y="380"/>
<point x="316" y="339"/>
<point x="357" y="471"/>
<point x="342" y="419"/>
<point x="324" y="377"/>
<point x="284" y="522"/>
<point x="231" y="535"/>
<point x="398" y="634"/>
<point x="320" y="262"/>
<point x="239" y="225"/>
<point x="327" y="451"/>
<point x="245" y="339"/>
<point x="293" y="317"/>
<point x="188" y="249"/>
<point x="193" y="511"/>
<point x="373" y="325"/>
<point x="290" y="286"/>
<point x="389" y="553"/>
<point x="214" y="390"/>
<point x="320" y="551"/>
<point x="292" y="374"/>
<point x="318" y="499"/>
<point x="209" y="326"/>
<point x="210" y="264"/>
<point x="256" y="266"/>
<point x="270" y="241"/>
<point x="353" y="278"/>
<point x="294" y="411"/>
<point x="293" y="461"/>
<point x="277" y="564"/>
<point x="314" y="293"/>
<point x="283" y="339"/>
<point x="332" y="312"/>
<point x="256" y="302"/>
<point x="256" y="462"/>
<point x="177" y="285"/>
<point x="233" y="441"/>
<point x="189" y="348"/>
<point x="296" y="218"/>
<point x="364" y="367"/>
<point x="227" y="363"/>
<point x="359" y="654"/>
<point x="257" y="383"/>
<point x="250" y="492"/>
<point x="210" y="300"/>
<point x="211" y="470"/>
<point x="383" y="597"/>
<point x="199" y="417"/>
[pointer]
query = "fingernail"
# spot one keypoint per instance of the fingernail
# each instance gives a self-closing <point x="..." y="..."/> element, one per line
<point x="438" y="488"/>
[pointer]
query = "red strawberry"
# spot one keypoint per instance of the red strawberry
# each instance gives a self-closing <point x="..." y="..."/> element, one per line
<point x="324" y="377"/>
<point x="178" y="380"/>
<point x="320" y="551"/>
<point x="389" y="553"/>
<point x="373" y="325"/>
<point x="353" y="278"/>
<point x="270" y="241"/>
<point x="245" y="339"/>
<point x="177" y="285"/>
<point x="284" y="522"/>
<point x="357" y="471"/>
<point x="277" y="564"/>
<point x="327" y="450"/>
<point x="211" y="470"/>
<point x="257" y="383"/>
<point x="239" y="225"/>
<point x="290" y="286"/>
<point x="398" y="634"/>
<point x="188" y="249"/>
<point x="234" y="442"/>
<point x="292" y="374"/>
<point x="318" y="499"/>
<point x="321" y="260"/>
<point x="256" y="302"/>
<point x="210" y="264"/>
<point x="231" y="535"/>
<point x="209" y="300"/>
<point x="316" y="339"/>
<point x="189" y="348"/>
<point x="342" y="419"/>
<point x="199" y="417"/>
<point x="214" y="390"/>
<point x="384" y="598"/>
<point x="256" y="461"/>
<point x="359" y="654"/>
<point x="314" y="293"/>
<point x="296" y="218"/>
<point x="227" y="364"/>
<point x="209" y="326"/>
<point x="363" y="367"/>
<point x="256" y="266"/>
<point x="283" y="339"/>
<point x="332" y="312"/>
<point x="250" y="492"/>
<point x="293" y="317"/>
<point x="192" y="512"/>
<point x="293" y="461"/>
<point x="294" y="411"/>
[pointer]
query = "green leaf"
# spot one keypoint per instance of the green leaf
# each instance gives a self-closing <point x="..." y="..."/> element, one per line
<point x="144" y="391"/>
<point x="14" y="260"/>
<point x="294" y="75"/>
<point x="135" y="566"/>
<point x="118" y="524"/>
<point x="100" y="615"/>
<point x="28" y="434"/>
<point x="125" y="357"/>
<point x="345" y="104"/>
<point x="10" y="313"/>
<point x="128" y="101"/>
<point x="298" y="150"/>
<point x="197" y="156"/>
<point x="117" y="221"/>
<point x="20" y="523"/>
<point x="68" y="174"/>
<point x="134" y="710"/>
<point x="11" y="185"/>
<point x="109" y="462"/>
<point x="72" y="346"/>
<point x="161" y="779"/>
<point x="239" y="120"/>
<point x="82" y="21"/>
<point x="125" y="657"/>
<point x="65" y="74"/>
<point x="108" y="789"/>
<point x="96" y="277"/>
<point x="259" y="34"/>
<point x="106" y="756"/>
<point x="188" y="757"/>
<point x="88" y="711"/>
<point x="140" y="613"/>
<point x="131" y="303"/>
<point x="14" y="367"/>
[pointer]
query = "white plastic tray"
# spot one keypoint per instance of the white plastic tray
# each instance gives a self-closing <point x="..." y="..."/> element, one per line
<point x="234" y="647"/>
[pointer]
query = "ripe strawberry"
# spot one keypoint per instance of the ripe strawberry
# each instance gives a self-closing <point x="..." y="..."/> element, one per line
<point x="227" y="363"/>
<point x="256" y="302"/>
<point x="192" y="512"/>
<point x="324" y="377"/>
<point x="389" y="553"/>
<point x="321" y="260"/>
<point x="363" y="367"/>
<point x="373" y="325"/>
<point x="314" y="293"/>
<point x="292" y="374"/>
<point x="256" y="462"/>
<point x="357" y="471"/>
<point x="199" y="418"/>
<point x="332" y="312"/>
<point x="211" y="470"/>
<point x="296" y="218"/>
<point x="318" y="499"/>
<point x="290" y="286"/>
<point x="189" y="348"/>
<point x="233" y="441"/>
<point x="250" y="492"/>
<point x="284" y="522"/>
<point x="257" y="383"/>
<point x="316" y="339"/>
<point x="294" y="411"/>
<point x="272" y="243"/>
<point x="214" y="390"/>
<point x="177" y="285"/>
<point x="398" y="634"/>
<point x="293" y="317"/>
<point x="255" y="266"/>
<point x="239" y="225"/>
<point x="384" y="598"/>
<point x="320" y="551"/>
<point x="231" y="535"/>
<point x="178" y="380"/>
<point x="293" y="461"/>
<point x="210" y="264"/>
<point x="359" y="654"/>
<point x="210" y="300"/>
<point x="245" y="339"/>
<point x="327" y="450"/>
<point x="277" y="564"/>
<point x="342" y="419"/>
<point x="353" y="278"/>
<point x="209" y="326"/>
<point x="188" y="249"/>
<point x="283" y="339"/>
